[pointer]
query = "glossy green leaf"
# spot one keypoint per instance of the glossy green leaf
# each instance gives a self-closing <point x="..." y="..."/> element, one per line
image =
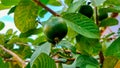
<point x="45" y="48"/>
<point x="54" y="2"/>
<point x="25" y="15"/>
<point x="103" y="14"/>
<point x="109" y="62"/>
<point x="44" y="61"/>
<point x="109" y="22"/>
<point x="112" y="2"/>
<point x="12" y="10"/>
<point x="114" y="49"/>
<point x="88" y="45"/>
<point x="2" y="7"/>
<point x="10" y="2"/>
<point x="4" y="64"/>
<point x="97" y="2"/>
<point x="82" y="25"/>
<point x="42" y="13"/>
<point x="84" y="61"/>
<point x="75" y="6"/>
<point x="44" y="1"/>
<point x="2" y="25"/>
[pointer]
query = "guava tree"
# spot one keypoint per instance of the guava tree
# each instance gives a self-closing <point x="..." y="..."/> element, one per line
<point x="69" y="38"/>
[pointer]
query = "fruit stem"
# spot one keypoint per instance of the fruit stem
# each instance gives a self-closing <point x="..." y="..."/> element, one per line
<point x="46" y="8"/>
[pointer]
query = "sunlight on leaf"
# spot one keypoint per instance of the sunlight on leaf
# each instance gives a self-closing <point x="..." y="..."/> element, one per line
<point x="82" y="25"/>
<point x="25" y="15"/>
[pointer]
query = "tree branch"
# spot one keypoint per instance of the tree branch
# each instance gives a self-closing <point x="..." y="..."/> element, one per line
<point x="96" y="16"/>
<point x="14" y="55"/>
<point x="101" y="57"/>
<point x="46" y="8"/>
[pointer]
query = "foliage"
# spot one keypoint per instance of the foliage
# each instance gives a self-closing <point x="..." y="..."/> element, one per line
<point x="82" y="46"/>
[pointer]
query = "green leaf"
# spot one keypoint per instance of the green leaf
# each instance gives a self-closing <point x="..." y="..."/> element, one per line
<point x="109" y="22"/>
<point x="45" y="48"/>
<point x="82" y="25"/>
<point x="31" y="32"/>
<point x="28" y="65"/>
<point x="25" y="15"/>
<point x="71" y="34"/>
<point x="115" y="9"/>
<point x="2" y="25"/>
<point x="43" y="61"/>
<point x="2" y="40"/>
<point x="42" y="13"/>
<point x="75" y="6"/>
<point x="10" y="2"/>
<point x="83" y="61"/>
<point x="103" y="14"/>
<point x="24" y="52"/>
<point x="68" y="2"/>
<point x="109" y="62"/>
<point x="112" y="2"/>
<point x="88" y="45"/>
<point x="17" y="40"/>
<point x="2" y="7"/>
<point x="67" y="44"/>
<point x="97" y="2"/>
<point x="9" y="32"/>
<point x="114" y="49"/>
<point x="39" y="40"/>
<point x="54" y="2"/>
<point x="4" y="64"/>
<point x="44" y="1"/>
<point x="12" y="10"/>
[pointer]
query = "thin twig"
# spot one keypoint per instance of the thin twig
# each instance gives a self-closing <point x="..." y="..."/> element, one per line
<point x="18" y="43"/>
<point x="12" y="60"/>
<point x="14" y="55"/>
<point x="97" y="23"/>
<point x="96" y="16"/>
<point x="46" y="8"/>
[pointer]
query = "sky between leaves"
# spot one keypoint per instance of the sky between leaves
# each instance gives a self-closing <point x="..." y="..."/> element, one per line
<point x="9" y="19"/>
